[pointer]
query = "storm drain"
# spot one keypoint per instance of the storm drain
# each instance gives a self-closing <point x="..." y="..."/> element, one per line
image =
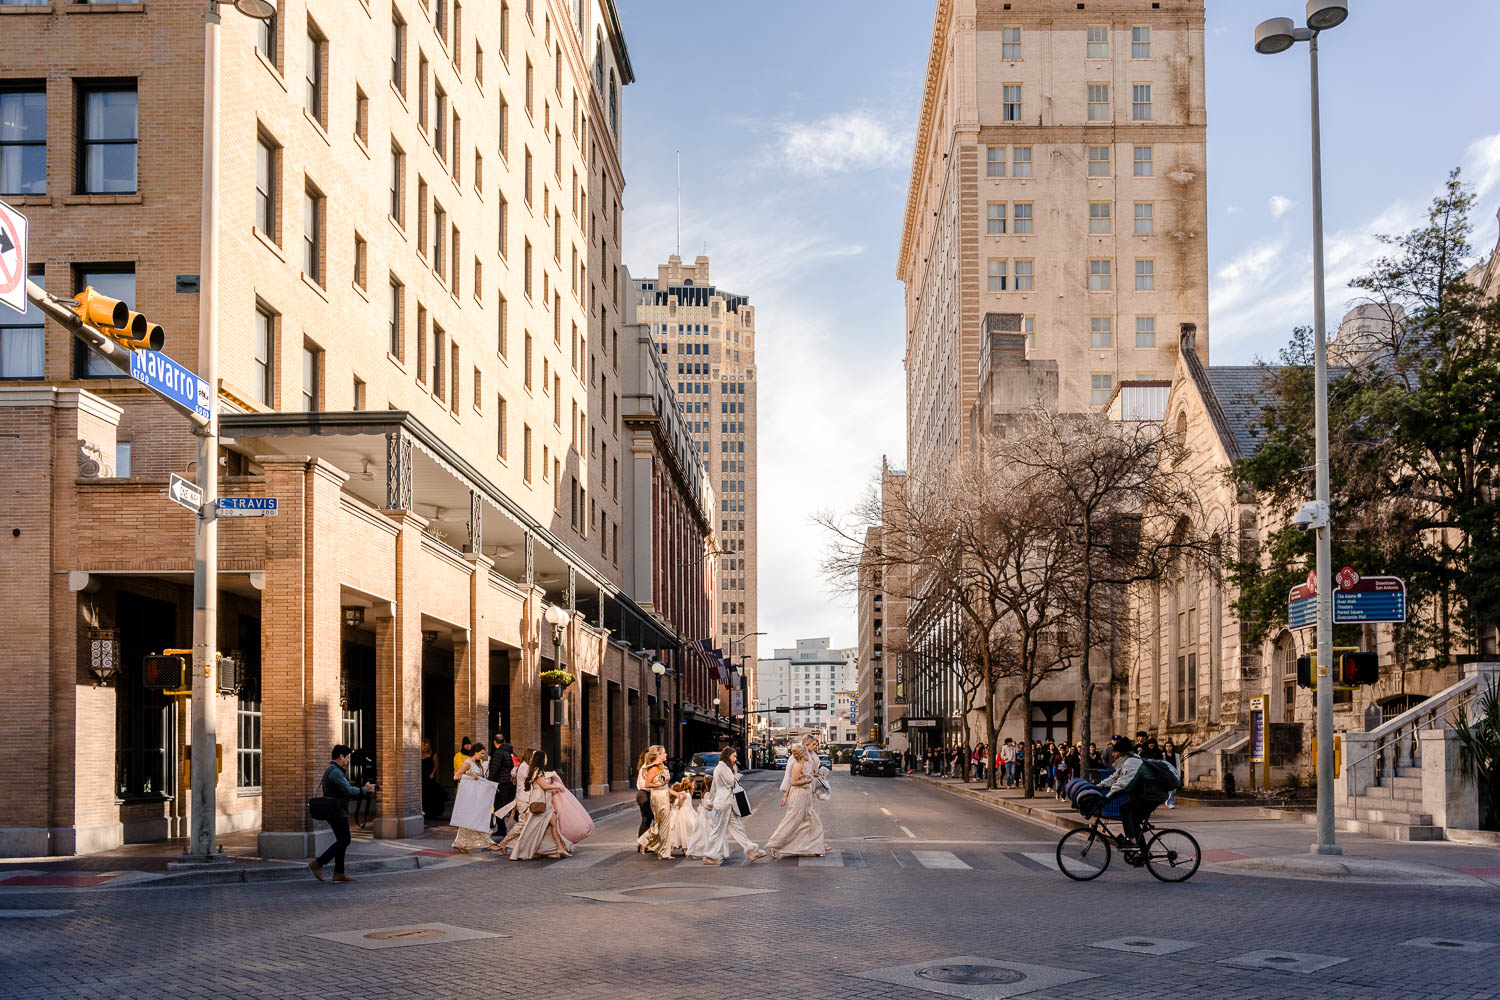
<point x="971" y="975"/>
<point x="1145" y="945"/>
<point x="1450" y="944"/>
<point x="975" y="977"/>
<point x="1286" y="961"/>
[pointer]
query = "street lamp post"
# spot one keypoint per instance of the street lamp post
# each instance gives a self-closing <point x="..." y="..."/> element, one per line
<point x="744" y="689"/>
<point x="203" y="768"/>
<point x="658" y="668"/>
<point x="1272" y="36"/>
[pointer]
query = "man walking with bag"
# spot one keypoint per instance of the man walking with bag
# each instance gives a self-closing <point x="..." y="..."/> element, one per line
<point x="333" y="807"/>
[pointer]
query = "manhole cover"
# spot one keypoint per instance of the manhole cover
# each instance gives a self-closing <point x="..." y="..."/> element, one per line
<point x="971" y="975"/>
<point x="669" y="892"/>
<point x="406" y="934"/>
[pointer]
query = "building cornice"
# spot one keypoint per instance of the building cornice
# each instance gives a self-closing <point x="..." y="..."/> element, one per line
<point x="935" y="52"/>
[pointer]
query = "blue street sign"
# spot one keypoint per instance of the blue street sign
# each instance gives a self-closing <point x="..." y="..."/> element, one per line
<point x="246" y="507"/>
<point x="1303" y="612"/>
<point x="167" y="378"/>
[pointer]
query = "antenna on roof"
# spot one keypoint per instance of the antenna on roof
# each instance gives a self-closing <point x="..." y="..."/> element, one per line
<point x="679" y="203"/>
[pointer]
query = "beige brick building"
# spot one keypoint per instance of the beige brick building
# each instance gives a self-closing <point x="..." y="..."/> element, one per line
<point x="419" y="356"/>
<point x="706" y="337"/>
<point x="1059" y="177"/>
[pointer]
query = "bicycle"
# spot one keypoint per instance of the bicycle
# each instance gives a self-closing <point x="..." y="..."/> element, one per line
<point x="1083" y="854"/>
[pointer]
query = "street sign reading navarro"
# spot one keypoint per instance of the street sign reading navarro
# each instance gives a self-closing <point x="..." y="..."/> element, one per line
<point x="185" y="493"/>
<point x="158" y="372"/>
<point x="246" y="507"/>
<point x="13" y="228"/>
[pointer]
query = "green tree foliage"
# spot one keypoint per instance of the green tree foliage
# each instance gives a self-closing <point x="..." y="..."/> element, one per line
<point x="1414" y="438"/>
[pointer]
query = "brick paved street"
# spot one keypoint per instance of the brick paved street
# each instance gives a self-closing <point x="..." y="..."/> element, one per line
<point x="920" y="877"/>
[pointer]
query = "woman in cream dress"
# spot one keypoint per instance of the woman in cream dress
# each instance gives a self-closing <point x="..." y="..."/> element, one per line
<point x="685" y="819"/>
<point x="653" y="779"/>
<point x="518" y="778"/>
<point x="541" y="837"/>
<point x="800" y="832"/>
<point x="468" y="840"/>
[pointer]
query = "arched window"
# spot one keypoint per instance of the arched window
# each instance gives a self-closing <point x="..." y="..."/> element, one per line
<point x="1182" y="429"/>
<point x="614" y="107"/>
<point x="1283" y="679"/>
<point x="599" y="63"/>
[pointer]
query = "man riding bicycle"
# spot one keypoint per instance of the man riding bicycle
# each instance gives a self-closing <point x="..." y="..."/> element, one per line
<point x="1137" y="781"/>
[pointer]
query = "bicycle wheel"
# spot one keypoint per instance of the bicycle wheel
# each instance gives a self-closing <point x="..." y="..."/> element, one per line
<point x="1172" y="855"/>
<point x="1083" y="854"/>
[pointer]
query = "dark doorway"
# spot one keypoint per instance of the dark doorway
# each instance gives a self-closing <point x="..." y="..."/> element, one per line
<point x="437" y="710"/>
<point x="553" y="712"/>
<point x="590" y="723"/>
<point x="145" y="722"/>
<point x="500" y="710"/>
<point x="357" y="710"/>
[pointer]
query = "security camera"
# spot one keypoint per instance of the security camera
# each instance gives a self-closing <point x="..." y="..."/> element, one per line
<point x="1311" y="516"/>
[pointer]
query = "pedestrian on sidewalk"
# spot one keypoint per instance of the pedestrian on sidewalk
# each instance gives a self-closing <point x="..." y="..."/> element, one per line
<point x="1171" y="756"/>
<point x="463" y="753"/>
<point x="336" y="786"/>
<point x="433" y="796"/>
<point x="502" y="762"/>
<point x="1007" y="761"/>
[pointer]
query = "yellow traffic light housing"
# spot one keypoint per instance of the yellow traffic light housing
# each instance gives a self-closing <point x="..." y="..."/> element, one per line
<point x="100" y="310"/>
<point x="116" y="320"/>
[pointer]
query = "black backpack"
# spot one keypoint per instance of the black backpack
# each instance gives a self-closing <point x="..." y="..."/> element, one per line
<point x="1160" y="777"/>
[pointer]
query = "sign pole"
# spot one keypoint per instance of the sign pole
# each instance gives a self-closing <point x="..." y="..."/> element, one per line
<point x="201" y="842"/>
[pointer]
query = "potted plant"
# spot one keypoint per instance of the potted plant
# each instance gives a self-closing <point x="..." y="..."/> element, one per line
<point x="558" y="680"/>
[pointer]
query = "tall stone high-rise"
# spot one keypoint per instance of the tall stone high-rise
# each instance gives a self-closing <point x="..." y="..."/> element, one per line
<point x="706" y="337"/>
<point x="1057" y="190"/>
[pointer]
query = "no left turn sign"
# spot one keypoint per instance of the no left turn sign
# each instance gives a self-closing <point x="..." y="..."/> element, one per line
<point x="12" y="258"/>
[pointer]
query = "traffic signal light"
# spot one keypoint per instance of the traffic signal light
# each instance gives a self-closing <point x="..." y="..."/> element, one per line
<point x="116" y="320"/>
<point x="1305" y="672"/>
<point x="1358" y="668"/>
<point x="164" y="672"/>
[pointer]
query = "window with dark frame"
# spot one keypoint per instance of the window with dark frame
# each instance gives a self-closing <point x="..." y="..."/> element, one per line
<point x="314" y="71"/>
<point x="22" y="339"/>
<point x="23" y="138"/>
<point x="263" y="360"/>
<point x="108" y="137"/>
<point x="116" y="281"/>
<point x="312" y="234"/>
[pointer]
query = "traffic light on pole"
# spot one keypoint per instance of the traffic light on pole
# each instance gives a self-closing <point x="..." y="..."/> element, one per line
<point x="116" y="320"/>
<point x="1356" y="669"/>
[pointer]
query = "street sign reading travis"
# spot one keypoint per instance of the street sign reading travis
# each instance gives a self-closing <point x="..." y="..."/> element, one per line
<point x="158" y="372"/>
<point x="185" y="493"/>
<point x="246" y="507"/>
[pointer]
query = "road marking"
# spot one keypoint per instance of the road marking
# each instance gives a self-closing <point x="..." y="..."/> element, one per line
<point x="1042" y="862"/>
<point x="904" y="830"/>
<point x="939" y="859"/>
<point x="885" y="810"/>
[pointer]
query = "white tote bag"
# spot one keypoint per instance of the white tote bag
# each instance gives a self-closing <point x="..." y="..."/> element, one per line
<point x="473" y="804"/>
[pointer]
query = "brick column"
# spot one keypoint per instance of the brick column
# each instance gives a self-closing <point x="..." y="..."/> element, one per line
<point x="525" y="689"/>
<point x="593" y="704"/>
<point x="398" y="692"/>
<point x="464" y="701"/>
<point x="477" y="655"/>
<point x="300" y="651"/>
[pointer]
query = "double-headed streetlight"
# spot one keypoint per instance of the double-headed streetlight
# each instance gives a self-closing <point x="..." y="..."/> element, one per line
<point x="203" y="767"/>
<point x="1272" y="36"/>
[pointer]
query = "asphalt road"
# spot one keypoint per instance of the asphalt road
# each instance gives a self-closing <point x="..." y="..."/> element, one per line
<point x="920" y="879"/>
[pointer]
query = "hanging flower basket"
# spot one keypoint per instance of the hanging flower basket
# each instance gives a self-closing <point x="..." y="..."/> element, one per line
<point x="560" y="679"/>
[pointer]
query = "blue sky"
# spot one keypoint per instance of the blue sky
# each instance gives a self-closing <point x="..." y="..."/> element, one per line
<point x="795" y="120"/>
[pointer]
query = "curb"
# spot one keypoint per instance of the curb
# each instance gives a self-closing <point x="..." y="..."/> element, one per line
<point x="279" y="873"/>
<point x="1041" y="817"/>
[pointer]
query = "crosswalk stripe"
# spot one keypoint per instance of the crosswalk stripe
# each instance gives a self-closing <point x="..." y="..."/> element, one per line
<point x="939" y="859"/>
<point x="1038" y="860"/>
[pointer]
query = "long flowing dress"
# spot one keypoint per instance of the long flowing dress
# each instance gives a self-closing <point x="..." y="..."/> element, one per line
<point x="697" y="841"/>
<point x="537" y="839"/>
<point x="470" y="840"/>
<point x="685" y="823"/>
<point x="800" y="832"/>
<point x="658" y="838"/>
<point x="722" y="818"/>
<point x="522" y="814"/>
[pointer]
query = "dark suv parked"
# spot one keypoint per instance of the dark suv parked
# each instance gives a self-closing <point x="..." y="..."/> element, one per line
<point x="886" y="762"/>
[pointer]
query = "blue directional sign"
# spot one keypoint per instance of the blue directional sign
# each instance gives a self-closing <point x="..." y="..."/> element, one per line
<point x="1369" y="599"/>
<point x="167" y="378"/>
<point x="246" y="507"/>
<point x="1302" y="604"/>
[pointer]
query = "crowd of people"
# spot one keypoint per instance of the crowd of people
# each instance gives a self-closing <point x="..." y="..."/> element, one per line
<point x="700" y="815"/>
<point x="1050" y="764"/>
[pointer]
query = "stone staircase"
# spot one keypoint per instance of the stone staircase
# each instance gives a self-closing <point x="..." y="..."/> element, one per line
<point x="1392" y="810"/>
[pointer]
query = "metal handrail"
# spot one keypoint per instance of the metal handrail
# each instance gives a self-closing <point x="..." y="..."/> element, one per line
<point x="1459" y="699"/>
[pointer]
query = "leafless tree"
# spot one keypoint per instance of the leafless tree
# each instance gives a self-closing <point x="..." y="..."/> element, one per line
<point x="1131" y="508"/>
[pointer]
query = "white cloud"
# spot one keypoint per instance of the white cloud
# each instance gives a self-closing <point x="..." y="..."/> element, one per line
<point x="1280" y="205"/>
<point x="1483" y="166"/>
<point x="841" y="143"/>
<point x="1232" y="210"/>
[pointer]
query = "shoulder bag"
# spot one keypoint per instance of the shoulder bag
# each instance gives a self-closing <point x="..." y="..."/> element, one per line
<point x="741" y="802"/>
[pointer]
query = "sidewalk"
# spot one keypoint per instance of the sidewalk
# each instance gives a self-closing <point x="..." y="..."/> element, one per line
<point x="153" y="864"/>
<point x="1250" y="840"/>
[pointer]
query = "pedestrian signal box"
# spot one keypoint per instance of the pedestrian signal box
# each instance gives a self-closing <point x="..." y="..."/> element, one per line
<point x="1305" y="672"/>
<point x="1355" y="669"/>
<point x="164" y="672"/>
<point x="1307" y="667"/>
